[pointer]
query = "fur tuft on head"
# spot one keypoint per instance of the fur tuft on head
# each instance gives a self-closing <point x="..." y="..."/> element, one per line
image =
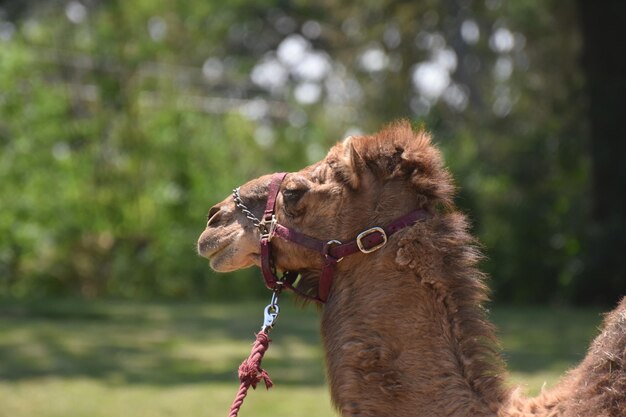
<point x="396" y="152"/>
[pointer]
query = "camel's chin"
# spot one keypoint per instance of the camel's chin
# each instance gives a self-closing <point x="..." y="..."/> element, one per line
<point x="224" y="262"/>
<point x="219" y="266"/>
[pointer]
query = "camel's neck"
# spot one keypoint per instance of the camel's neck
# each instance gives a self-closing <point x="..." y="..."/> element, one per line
<point x="396" y="346"/>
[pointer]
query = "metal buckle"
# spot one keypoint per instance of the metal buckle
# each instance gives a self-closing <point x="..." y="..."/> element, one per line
<point x="367" y="233"/>
<point x="326" y="248"/>
<point x="267" y="232"/>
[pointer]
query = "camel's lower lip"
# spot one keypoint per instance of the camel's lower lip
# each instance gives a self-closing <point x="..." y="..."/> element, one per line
<point x="208" y="248"/>
<point x="213" y="258"/>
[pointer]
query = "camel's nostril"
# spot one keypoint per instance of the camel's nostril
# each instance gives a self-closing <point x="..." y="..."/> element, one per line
<point x="212" y="217"/>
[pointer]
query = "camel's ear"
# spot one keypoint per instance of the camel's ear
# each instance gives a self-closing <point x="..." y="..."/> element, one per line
<point x="353" y="163"/>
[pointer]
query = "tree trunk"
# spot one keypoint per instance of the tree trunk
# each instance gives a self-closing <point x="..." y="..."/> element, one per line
<point x="604" y="64"/>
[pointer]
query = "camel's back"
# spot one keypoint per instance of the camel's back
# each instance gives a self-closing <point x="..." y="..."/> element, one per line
<point x="601" y="378"/>
<point x="596" y="388"/>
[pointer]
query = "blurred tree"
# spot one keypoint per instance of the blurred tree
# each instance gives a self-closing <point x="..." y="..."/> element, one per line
<point x="121" y="123"/>
<point x="605" y="69"/>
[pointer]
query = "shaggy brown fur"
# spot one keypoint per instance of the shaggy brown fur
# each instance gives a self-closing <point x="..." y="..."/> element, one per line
<point x="404" y="329"/>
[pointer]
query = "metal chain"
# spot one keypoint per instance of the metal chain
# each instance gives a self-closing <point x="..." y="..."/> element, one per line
<point x="244" y="209"/>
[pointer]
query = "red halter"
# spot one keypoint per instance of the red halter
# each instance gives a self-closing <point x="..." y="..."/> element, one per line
<point x="332" y="251"/>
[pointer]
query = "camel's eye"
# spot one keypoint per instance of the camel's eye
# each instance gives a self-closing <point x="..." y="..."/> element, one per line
<point x="291" y="197"/>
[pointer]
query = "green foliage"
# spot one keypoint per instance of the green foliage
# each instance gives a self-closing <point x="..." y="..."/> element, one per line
<point x="102" y="196"/>
<point x="122" y="123"/>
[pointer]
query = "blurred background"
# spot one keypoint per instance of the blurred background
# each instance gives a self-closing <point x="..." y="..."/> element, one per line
<point x="123" y="122"/>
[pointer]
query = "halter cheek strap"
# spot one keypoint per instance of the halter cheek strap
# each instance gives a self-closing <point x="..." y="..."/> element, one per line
<point x="332" y="251"/>
<point x="268" y="225"/>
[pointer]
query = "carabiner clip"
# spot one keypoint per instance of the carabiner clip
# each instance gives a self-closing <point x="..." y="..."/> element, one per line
<point x="270" y="314"/>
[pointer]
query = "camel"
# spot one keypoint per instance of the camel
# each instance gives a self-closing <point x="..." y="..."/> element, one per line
<point x="404" y="329"/>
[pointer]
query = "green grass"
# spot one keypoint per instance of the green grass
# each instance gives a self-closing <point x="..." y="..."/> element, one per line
<point x="92" y="359"/>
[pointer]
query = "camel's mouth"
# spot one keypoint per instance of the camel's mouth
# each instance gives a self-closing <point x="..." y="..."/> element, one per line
<point x="224" y="252"/>
<point x="220" y="259"/>
<point x="209" y="246"/>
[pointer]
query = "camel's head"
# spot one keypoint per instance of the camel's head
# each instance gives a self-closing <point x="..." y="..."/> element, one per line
<point x="364" y="181"/>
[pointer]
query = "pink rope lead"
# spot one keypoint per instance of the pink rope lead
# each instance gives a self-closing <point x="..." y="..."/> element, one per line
<point x="251" y="373"/>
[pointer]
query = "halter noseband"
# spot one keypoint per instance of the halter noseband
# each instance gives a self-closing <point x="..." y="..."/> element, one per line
<point x="332" y="251"/>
